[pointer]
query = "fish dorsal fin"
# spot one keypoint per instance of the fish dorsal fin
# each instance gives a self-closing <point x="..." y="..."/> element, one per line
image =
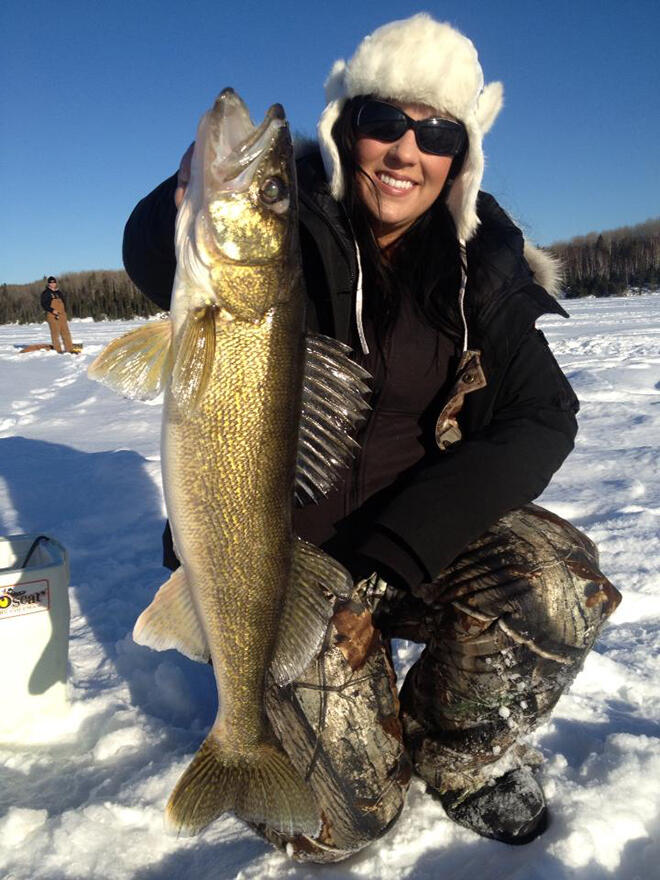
<point x="194" y="358"/>
<point x="316" y="579"/>
<point x="334" y="405"/>
<point x="171" y="621"/>
<point x="137" y="364"/>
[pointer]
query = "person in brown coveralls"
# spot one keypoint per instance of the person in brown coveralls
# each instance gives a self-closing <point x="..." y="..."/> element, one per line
<point x="52" y="302"/>
<point x="434" y="287"/>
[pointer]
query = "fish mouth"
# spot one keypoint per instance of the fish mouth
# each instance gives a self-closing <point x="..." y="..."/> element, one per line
<point x="235" y="144"/>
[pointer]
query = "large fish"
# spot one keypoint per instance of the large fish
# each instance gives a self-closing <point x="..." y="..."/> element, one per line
<point x="250" y="405"/>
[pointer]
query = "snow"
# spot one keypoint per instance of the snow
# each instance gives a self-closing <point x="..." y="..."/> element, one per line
<point x="82" y="796"/>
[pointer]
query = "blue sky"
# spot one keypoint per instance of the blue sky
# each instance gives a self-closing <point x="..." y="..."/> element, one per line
<point x="99" y="100"/>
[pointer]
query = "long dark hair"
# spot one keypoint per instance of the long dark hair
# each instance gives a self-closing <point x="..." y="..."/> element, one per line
<point x="424" y="264"/>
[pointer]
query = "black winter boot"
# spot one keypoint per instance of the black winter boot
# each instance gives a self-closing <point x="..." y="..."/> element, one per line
<point x="512" y="809"/>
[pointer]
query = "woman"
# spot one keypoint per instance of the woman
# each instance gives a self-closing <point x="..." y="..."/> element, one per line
<point x="432" y="284"/>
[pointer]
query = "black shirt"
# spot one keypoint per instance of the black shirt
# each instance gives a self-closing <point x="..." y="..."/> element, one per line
<point x="409" y="369"/>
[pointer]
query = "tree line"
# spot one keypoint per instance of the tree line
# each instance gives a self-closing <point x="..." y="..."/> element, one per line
<point x="101" y="294"/>
<point x="599" y="264"/>
<point x="613" y="262"/>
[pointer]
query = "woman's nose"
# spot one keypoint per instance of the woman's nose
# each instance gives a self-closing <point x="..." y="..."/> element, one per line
<point x="405" y="149"/>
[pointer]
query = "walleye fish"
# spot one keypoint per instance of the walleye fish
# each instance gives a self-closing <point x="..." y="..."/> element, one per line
<point x="253" y="412"/>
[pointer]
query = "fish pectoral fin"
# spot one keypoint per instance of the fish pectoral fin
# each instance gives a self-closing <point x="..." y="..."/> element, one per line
<point x="137" y="364"/>
<point x="333" y="406"/>
<point x="260" y="786"/>
<point x="171" y="621"/>
<point x="195" y="356"/>
<point x="316" y="579"/>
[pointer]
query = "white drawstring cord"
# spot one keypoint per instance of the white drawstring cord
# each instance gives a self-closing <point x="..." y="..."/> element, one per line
<point x="359" y="299"/>
<point x="461" y="295"/>
<point x="359" y="302"/>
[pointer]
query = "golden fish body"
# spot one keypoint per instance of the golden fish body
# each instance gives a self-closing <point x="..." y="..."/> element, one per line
<point x="228" y="472"/>
<point x="230" y="361"/>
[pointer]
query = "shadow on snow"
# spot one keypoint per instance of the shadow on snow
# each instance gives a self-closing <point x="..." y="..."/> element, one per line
<point x="107" y="512"/>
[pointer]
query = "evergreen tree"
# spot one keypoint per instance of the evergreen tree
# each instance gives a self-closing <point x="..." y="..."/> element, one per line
<point x="613" y="262"/>
<point x="98" y="294"/>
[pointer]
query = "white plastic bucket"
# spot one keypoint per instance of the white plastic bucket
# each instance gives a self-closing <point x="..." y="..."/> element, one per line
<point x="34" y="632"/>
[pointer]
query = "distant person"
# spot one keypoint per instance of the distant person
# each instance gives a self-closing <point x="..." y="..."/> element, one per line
<point x="52" y="301"/>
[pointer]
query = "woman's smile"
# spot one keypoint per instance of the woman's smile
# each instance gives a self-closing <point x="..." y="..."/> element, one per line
<point x="389" y="181"/>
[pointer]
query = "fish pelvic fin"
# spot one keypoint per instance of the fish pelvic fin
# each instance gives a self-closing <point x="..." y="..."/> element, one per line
<point x="333" y="407"/>
<point x="194" y="359"/>
<point x="259" y="786"/>
<point x="137" y="364"/>
<point x="316" y="580"/>
<point x="171" y="621"/>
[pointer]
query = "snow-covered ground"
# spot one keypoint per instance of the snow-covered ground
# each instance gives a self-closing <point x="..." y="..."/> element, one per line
<point x="82" y="465"/>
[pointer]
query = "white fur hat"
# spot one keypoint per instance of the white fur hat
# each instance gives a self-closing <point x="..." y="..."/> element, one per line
<point x="418" y="60"/>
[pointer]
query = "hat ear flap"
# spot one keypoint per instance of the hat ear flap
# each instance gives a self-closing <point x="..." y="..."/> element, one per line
<point x="335" y="95"/>
<point x="462" y="198"/>
<point x="329" y="151"/>
<point x="489" y="105"/>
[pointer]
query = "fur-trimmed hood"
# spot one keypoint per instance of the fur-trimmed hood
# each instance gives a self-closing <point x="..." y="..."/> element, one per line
<point x="547" y="269"/>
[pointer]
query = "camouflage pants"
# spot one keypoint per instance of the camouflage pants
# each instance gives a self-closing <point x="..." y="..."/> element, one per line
<point x="506" y="629"/>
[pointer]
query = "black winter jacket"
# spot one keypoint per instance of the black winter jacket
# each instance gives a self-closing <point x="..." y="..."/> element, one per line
<point x="516" y="430"/>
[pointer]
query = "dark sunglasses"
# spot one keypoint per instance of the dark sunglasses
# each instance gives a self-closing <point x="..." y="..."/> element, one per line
<point x="387" y="123"/>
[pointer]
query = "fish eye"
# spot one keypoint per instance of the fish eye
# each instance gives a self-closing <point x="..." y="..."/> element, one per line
<point x="273" y="189"/>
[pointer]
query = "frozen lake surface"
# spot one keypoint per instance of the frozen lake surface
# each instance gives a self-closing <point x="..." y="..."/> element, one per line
<point x="83" y="797"/>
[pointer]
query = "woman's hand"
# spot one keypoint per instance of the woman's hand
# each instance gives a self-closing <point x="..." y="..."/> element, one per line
<point x="183" y="175"/>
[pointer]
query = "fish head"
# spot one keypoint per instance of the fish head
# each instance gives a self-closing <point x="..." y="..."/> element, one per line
<point x="237" y="227"/>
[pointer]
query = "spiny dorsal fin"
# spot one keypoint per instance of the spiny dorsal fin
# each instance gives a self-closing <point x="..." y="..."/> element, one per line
<point x="137" y="364"/>
<point x="194" y="358"/>
<point x="171" y="621"/>
<point x="316" y="579"/>
<point x="334" y="405"/>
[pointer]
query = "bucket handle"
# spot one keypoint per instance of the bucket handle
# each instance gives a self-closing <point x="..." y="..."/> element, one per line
<point x="33" y="547"/>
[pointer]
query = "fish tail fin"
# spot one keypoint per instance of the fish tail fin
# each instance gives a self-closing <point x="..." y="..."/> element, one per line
<point x="259" y="786"/>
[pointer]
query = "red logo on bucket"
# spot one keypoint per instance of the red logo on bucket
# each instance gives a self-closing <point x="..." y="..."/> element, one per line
<point x="25" y="598"/>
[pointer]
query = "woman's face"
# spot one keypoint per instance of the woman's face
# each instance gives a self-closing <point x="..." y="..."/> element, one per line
<point x="407" y="180"/>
